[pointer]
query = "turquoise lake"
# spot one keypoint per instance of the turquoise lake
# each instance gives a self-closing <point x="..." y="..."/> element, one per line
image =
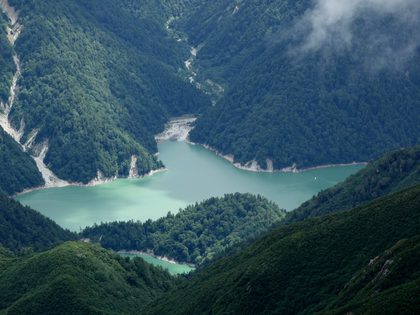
<point x="193" y="174"/>
<point x="172" y="268"/>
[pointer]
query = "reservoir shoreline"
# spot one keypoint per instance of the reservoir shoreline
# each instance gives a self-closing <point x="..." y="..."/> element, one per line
<point x="252" y="166"/>
<point x="153" y="255"/>
<point x="94" y="182"/>
<point x="170" y="265"/>
<point x="178" y="129"/>
<point x="194" y="174"/>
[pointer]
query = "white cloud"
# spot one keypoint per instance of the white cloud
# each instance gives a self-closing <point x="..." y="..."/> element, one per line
<point x="329" y="23"/>
<point x="331" y="20"/>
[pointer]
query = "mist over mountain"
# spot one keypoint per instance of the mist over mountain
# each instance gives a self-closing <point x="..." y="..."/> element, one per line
<point x="232" y="102"/>
<point x="314" y="82"/>
<point x="332" y="23"/>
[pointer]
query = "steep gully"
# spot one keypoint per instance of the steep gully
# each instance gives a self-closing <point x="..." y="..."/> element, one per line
<point x="179" y="128"/>
<point x="211" y="88"/>
<point x="37" y="150"/>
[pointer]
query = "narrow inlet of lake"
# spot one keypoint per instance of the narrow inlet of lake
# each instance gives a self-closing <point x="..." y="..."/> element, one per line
<point x="172" y="267"/>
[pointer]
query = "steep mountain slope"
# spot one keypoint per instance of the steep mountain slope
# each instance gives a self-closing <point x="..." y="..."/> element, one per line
<point x="160" y="11"/>
<point x="197" y="233"/>
<point x="307" y="84"/>
<point x="390" y="173"/>
<point x="389" y="284"/>
<point x="78" y="278"/>
<point x="22" y="227"/>
<point x="7" y="67"/>
<point x="18" y="171"/>
<point x="98" y="80"/>
<point x="316" y="266"/>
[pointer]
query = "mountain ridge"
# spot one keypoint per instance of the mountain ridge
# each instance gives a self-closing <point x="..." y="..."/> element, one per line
<point x="332" y="104"/>
<point x="110" y="116"/>
<point x="300" y="268"/>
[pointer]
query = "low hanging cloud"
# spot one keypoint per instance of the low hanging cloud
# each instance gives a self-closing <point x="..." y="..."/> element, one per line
<point x="330" y="24"/>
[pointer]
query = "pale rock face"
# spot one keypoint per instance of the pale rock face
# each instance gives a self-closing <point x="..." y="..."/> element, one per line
<point x="30" y="142"/>
<point x="99" y="179"/>
<point x="270" y="167"/>
<point x="177" y="129"/>
<point x="189" y="66"/>
<point x="235" y="10"/>
<point x="10" y="11"/>
<point x="13" y="32"/>
<point x="133" y="167"/>
<point x="51" y="180"/>
<point x="6" y="108"/>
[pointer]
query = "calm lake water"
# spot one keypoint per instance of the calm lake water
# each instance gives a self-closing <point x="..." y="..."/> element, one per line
<point x="194" y="173"/>
<point x="172" y="268"/>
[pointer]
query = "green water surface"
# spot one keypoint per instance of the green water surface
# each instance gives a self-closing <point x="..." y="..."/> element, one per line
<point x="173" y="268"/>
<point x="194" y="173"/>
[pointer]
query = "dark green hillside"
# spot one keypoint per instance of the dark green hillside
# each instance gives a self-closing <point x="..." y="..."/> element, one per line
<point x="389" y="284"/>
<point x="7" y="67"/>
<point x="390" y="173"/>
<point x="230" y="40"/>
<point x="160" y="11"/>
<point x="334" y="104"/>
<point x="21" y="227"/>
<point x="98" y="81"/>
<point x="197" y="233"/>
<point x="78" y="278"/>
<point x="18" y="170"/>
<point x="316" y="265"/>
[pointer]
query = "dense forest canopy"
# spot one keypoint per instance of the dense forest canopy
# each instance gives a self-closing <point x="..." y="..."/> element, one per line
<point x="299" y="83"/>
<point x="195" y="234"/>
<point x="291" y="97"/>
<point x="329" y="265"/>
<point x="78" y="278"/>
<point x="98" y="89"/>
<point x="24" y="228"/>
<point x="18" y="171"/>
<point x="7" y="67"/>
<point x="332" y="265"/>
<point x="390" y="173"/>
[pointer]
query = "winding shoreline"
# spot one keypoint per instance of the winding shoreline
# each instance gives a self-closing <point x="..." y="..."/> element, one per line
<point x="178" y="129"/>
<point x="94" y="182"/>
<point x="254" y="167"/>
